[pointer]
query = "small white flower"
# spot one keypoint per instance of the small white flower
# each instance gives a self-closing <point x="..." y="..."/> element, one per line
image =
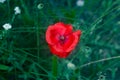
<point x="80" y="3"/>
<point x="17" y="10"/>
<point x="40" y="6"/>
<point x="71" y="66"/>
<point x="2" y="1"/>
<point x="102" y="77"/>
<point x="7" y="26"/>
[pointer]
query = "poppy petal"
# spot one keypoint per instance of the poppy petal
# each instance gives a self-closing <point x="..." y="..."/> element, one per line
<point x="78" y="32"/>
<point x="60" y="28"/>
<point x="51" y="35"/>
<point x="74" y="40"/>
<point x="57" y="52"/>
<point x="68" y="29"/>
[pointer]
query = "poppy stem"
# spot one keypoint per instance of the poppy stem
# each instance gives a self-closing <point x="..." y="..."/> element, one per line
<point x="54" y="67"/>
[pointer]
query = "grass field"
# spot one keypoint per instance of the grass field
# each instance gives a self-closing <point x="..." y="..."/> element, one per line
<point x="24" y="53"/>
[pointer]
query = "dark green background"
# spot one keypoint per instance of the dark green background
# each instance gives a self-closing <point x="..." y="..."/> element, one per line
<point x="24" y="54"/>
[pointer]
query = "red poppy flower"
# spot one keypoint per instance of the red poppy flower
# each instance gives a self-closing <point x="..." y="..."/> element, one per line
<point x="61" y="39"/>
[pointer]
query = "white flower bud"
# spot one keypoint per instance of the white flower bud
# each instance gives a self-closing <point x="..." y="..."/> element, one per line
<point x="80" y="3"/>
<point x="71" y="66"/>
<point x="17" y="10"/>
<point x="2" y="1"/>
<point x="7" y="26"/>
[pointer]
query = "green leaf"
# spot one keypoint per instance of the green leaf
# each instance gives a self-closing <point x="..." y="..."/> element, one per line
<point x="3" y="67"/>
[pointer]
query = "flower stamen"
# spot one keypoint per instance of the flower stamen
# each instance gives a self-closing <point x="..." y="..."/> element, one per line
<point x="62" y="39"/>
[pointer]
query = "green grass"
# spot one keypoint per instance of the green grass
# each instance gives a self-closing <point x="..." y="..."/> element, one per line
<point x="24" y="53"/>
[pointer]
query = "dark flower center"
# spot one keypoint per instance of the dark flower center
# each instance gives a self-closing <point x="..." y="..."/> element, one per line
<point x="62" y="39"/>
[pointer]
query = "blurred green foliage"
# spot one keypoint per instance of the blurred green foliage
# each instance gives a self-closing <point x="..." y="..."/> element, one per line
<point x="24" y="54"/>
